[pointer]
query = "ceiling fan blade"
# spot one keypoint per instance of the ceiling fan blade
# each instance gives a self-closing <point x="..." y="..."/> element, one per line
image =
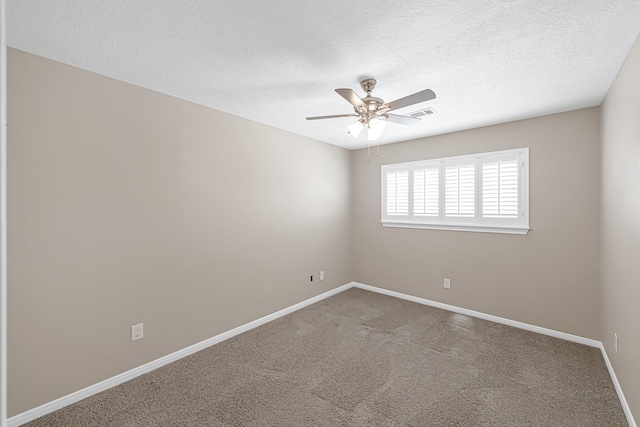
<point x="332" y="117"/>
<point x="403" y="120"/>
<point x="353" y="98"/>
<point x="416" y="98"/>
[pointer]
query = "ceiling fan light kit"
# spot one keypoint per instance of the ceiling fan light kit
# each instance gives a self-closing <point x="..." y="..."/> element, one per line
<point x="373" y="113"/>
<point x="375" y="129"/>
<point x="356" y="128"/>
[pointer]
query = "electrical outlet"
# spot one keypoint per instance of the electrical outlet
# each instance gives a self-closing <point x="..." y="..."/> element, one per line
<point x="447" y="283"/>
<point x="137" y="332"/>
<point x="322" y="275"/>
<point x="616" y="342"/>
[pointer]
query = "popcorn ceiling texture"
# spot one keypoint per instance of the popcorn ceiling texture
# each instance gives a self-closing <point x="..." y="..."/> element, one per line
<point x="277" y="62"/>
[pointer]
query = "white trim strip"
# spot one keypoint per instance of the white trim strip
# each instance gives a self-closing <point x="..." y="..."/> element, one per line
<point x="60" y="403"/>
<point x="490" y="317"/>
<point x="3" y="214"/>
<point x="616" y="384"/>
<point x="453" y="227"/>
<point x="520" y="325"/>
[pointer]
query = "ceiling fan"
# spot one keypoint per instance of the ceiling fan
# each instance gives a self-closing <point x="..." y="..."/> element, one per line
<point x="373" y="112"/>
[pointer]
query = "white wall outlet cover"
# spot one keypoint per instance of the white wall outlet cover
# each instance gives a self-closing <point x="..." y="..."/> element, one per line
<point x="322" y="275"/>
<point x="137" y="332"/>
<point x="447" y="283"/>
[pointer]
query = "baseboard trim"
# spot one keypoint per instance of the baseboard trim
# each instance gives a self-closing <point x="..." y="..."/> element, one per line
<point x="553" y="333"/>
<point x="520" y="325"/>
<point x="616" y="384"/>
<point x="32" y="414"/>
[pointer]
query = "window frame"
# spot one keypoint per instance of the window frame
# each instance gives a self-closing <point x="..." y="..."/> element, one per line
<point x="477" y="223"/>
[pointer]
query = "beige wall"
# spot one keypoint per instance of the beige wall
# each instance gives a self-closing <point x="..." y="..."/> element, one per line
<point x="129" y="206"/>
<point x="548" y="277"/>
<point x="620" y="227"/>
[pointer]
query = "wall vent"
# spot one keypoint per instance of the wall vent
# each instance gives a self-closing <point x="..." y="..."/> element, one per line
<point x="422" y="113"/>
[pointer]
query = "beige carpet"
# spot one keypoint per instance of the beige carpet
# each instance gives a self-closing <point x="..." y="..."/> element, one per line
<point x="363" y="359"/>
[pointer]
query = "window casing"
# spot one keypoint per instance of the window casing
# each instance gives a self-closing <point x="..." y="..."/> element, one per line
<point x="487" y="192"/>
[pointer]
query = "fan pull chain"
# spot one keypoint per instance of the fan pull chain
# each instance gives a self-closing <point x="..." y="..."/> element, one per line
<point x="369" y="151"/>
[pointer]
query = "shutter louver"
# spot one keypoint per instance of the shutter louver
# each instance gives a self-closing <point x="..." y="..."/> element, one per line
<point x="426" y="192"/>
<point x="398" y="193"/>
<point x="500" y="189"/>
<point x="460" y="190"/>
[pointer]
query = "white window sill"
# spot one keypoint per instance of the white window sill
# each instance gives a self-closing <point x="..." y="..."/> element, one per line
<point x="460" y="227"/>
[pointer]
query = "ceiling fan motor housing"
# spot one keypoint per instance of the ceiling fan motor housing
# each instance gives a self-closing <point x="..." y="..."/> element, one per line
<point x="372" y="102"/>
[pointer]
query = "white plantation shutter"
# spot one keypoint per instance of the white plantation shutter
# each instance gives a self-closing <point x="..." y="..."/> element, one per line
<point x="459" y="190"/>
<point x="426" y="195"/>
<point x="482" y="192"/>
<point x="398" y="192"/>
<point x="500" y="188"/>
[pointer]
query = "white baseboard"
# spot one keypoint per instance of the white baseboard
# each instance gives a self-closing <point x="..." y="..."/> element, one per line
<point x="60" y="403"/>
<point x="480" y="315"/>
<point x="520" y="325"/>
<point x="616" y="384"/>
<point x="32" y="414"/>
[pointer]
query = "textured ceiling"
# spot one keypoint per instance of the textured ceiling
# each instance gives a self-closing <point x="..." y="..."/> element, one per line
<point x="277" y="62"/>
